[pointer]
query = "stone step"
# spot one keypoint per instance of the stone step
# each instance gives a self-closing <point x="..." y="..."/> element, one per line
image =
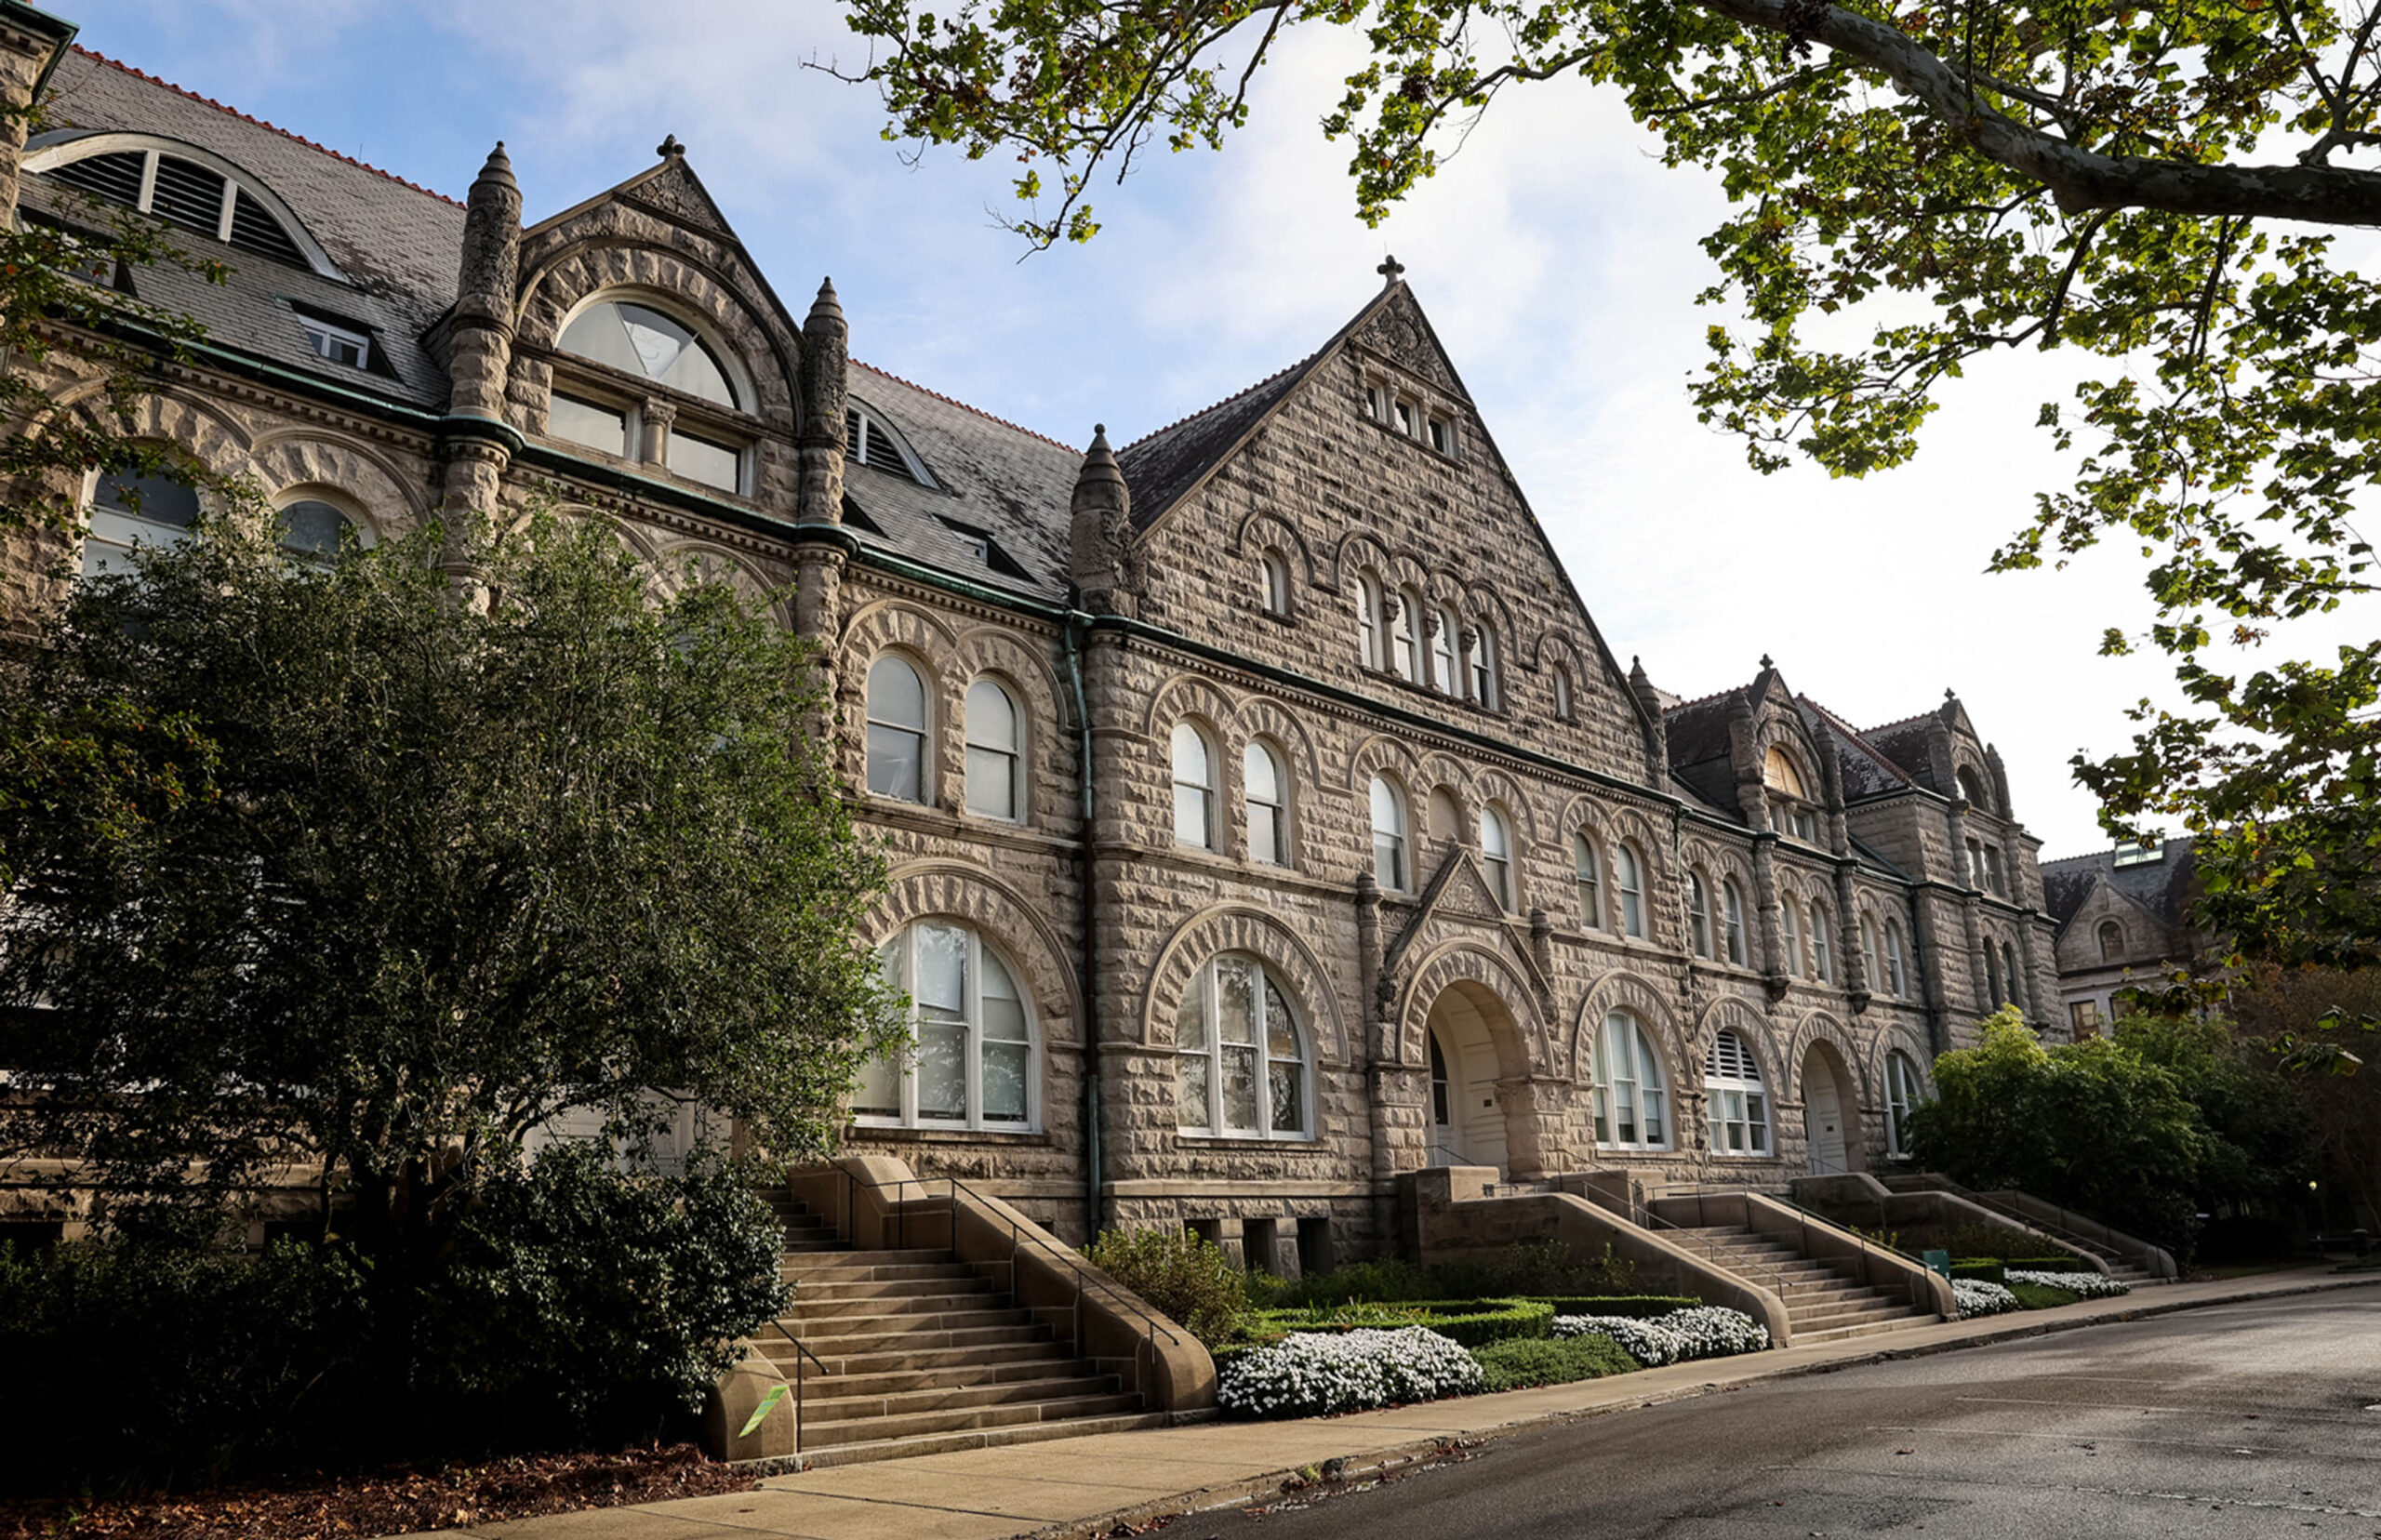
<point x="1867" y="1328"/>
<point x="872" y="1259"/>
<point x="1820" y="1320"/>
<point x="965" y="1369"/>
<point x="957" y="1277"/>
<point x="960" y="1316"/>
<point x="859" y="1344"/>
<point x="815" y="1273"/>
<point x="841" y="1407"/>
<point x="986" y="1437"/>
<point x="967" y="1419"/>
<point x="943" y="1300"/>
<point x="992" y="1357"/>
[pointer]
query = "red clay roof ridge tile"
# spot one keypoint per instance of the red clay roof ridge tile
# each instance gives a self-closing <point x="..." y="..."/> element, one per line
<point x="949" y="400"/>
<point x="245" y="117"/>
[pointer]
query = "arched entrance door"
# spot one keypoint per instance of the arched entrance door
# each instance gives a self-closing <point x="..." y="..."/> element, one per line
<point x="1467" y="1122"/>
<point x="1828" y="1104"/>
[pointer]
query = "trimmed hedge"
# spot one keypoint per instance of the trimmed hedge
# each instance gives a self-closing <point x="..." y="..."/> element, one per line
<point x="2041" y="1296"/>
<point x="2057" y="1262"/>
<point x="1470" y="1322"/>
<point x="1637" y="1307"/>
<point x="1551" y="1360"/>
<point x="1984" y="1269"/>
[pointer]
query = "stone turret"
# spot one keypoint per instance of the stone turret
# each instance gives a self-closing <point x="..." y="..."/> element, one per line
<point x="1942" y="769"/>
<point x="1657" y="737"/>
<point x="30" y="44"/>
<point x="1744" y="756"/>
<point x="479" y="343"/>
<point x="826" y="395"/>
<point x="1100" y="538"/>
<point x="2001" y="804"/>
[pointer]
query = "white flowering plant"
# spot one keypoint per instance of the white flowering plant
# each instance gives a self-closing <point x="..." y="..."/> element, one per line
<point x="1316" y="1373"/>
<point x="2087" y="1285"/>
<point x="1702" y="1331"/>
<point x="1978" y="1298"/>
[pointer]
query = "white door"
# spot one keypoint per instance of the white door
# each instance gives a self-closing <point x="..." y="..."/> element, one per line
<point x="1823" y="1119"/>
<point x="1467" y="1126"/>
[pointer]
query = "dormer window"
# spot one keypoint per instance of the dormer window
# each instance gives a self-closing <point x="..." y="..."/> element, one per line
<point x="337" y="344"/>
<point x="653" y="350"/>
<point x="185" y="186"/>
<point x="869" y="442"/>
<point x="639" y="340"/>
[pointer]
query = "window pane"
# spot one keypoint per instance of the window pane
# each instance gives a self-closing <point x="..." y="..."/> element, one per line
<point x="1261" y="776"/>
<point x="1190" y="1090"/>
<point x="1190" y="821"/>
<point x="1281" y="1031"/>
<point x="893" y="756"/>
<point x="1289" y="1099"/>
<point x="584" y="422"/>
<point x="895" y="693"/>
<point x="702" y="459"/>
<point x="1265" y="840"/>
<point x="941" y="973"/>
<point x="992" y="716"/>
<point x="1656" y="1132"/>
<point x="162" y="501"/>
<point x="1235" y="1001"/>
<point x="991" y="783"/>
<point x="1191" y="1022"/>
<point x="877" y="1091"/>
<point x="942" y="1069"/>
<point x="1388" y="861"/>
<point x="311" y="528"/>
<point x="1240" y="1089"/>
<point x="1003" y="1012"/>
<point x="1004" y="1065"/>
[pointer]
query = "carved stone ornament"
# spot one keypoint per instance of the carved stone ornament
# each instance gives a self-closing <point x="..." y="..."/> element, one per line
<point x="675" y="193"/>
<point x="1397" y="334"/>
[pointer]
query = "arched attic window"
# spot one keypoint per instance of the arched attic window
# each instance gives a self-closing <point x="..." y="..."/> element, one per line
<point x="870" y="441"/>
<point x="643" y="346"/>
<point x="185" y="186"/>
<point x="1971" y="788"/>
<point x="1790" y="810"/>
<point x="2112" y="941"/>
<point x="639" y="339"/>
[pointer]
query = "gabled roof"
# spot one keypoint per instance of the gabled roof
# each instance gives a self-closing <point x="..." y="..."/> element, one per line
<point x="2162" y="888"/>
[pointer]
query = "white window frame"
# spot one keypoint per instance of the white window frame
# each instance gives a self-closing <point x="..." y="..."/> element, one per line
<point x="1868" y="953"/>
<point x="1737" y="1105"/>
<point x="993" y="763"/>
<point x="1822" y="945"/>
<point x="110" y="533"/>
<point x="1446" y="671"/>
<point x="1205" y="995"/>
<point x="1496" y="854"/>
<point x="973" y="1013"/>
<point x="324" y="335"/>
<point x="1484" y="667"/>
<point x="1587" y="873"/>
<point x="1615" y="1090"/>
<point x="1790" y="928"/>
<point x="923" y="732"/>
<point x="1405" y="636"/>
<point x="1269" y="815"/>
<point x="1732" y="902"/>
<point x="1629" y="876"/>
<point x="1896" y="965"/>
<point x="1905" y="1088"/>
<point x="1699" y="914"/>
<point x="1393" y="865"/>
<point x="1372" y="619"/>
<point x="1200" y="788"/>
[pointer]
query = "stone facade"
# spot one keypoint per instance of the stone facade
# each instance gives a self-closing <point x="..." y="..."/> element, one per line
<point x="1212" y="575"/>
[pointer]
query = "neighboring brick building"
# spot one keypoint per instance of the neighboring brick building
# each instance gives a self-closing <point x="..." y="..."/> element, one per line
<point x="1260" y="798"/>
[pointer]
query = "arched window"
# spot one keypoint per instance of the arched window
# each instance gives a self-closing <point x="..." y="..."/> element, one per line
<point x="1484" y="667"/>
<point x="1993" y="996"/>
<point x="1698" y="913"/>
<point x="638" y="340"/>
<point x="2015" y="979"/>
<point x="189" y="186"/>
<point x="1629" y="873"/>
<point x="896" y="730"/>
<point x="1903" y="1091"/>
<point x="1588" y="873"/>
<point x="1822" y="945"/>
<point x="1372" y="628"/>
<point x="1441" y="1095"/>
<point x="1239" y="1057"/>
<point x="1736" y="1103"/>
<point x="1869" y="973"/>
<point x="1779" y="774"/>
<point x="312" y="530"/>
<point x="1276" y="575"/>
<point x="1389" y="836"/>
<point x="1497" y="852"/>
<point x="971" y="1059"/>
<point x="1790" y="929"/>
<point x="1561" y="693"/>
<point x="1731" y="900"/>
<point x="1446" y="671"/>
<point x="1194" y="787"/>
<point x="1446" y="823"/>
<point x="1630" y="1097"/>
<point x="1405" y="632"/>
<point x="2112" y="941"/>
<point x="1972" y="788"/>
<point x="995" y="753"/>
<point x="1268" y="804"/>
<point x="1896" y="970"/>
<point x="129" y="509"/>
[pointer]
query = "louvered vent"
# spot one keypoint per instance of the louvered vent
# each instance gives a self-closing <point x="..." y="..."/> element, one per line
<point x="872" y="446"/>
<point x="255" y="229"/>
<point x="115" y="177"/>
<point x="1731" y="1060"/>
<point x="188" y="195"/>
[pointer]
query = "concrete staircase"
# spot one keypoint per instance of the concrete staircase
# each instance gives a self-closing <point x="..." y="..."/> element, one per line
<point x="922" y="1354"/>
<point x="1824" y="1303"/>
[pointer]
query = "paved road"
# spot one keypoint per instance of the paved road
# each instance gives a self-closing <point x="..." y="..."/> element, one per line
<point x="2224" y="1424"/>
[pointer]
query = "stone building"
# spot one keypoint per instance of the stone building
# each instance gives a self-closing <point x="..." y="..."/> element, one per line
<point x="2124" y="921"/>
<point x="1266" y="816"/>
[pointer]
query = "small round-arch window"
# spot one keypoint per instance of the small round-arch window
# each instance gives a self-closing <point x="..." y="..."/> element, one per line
<point x="641" y="340"/>
<point x="993" y="752"/>
<point x="312" y="530"/>
<point x="1276" y="575"/>
<point x="2112" y="941"/>
<point x="1777" y="770"/>
<point x="1496" y="851"/>
<point x="1269" y="811"/>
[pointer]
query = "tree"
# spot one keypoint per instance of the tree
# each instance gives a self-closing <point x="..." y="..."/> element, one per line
<point x="1913" y="189"/>
<point x="2301" y="1013"/>
<point x="323" y="866"/>
<point x="2260" y="1145"/>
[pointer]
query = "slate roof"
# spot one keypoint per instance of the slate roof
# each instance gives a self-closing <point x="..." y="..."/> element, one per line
<point x="397" y="244"/>
<point x="2163" y="886"/>
<point x="1697" y="731"/>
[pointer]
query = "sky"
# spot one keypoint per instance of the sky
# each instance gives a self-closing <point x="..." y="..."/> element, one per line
<point x="1556" y="257"/>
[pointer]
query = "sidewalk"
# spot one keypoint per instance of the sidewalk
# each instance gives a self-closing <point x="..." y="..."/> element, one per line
<point x="1070" y="1487"/>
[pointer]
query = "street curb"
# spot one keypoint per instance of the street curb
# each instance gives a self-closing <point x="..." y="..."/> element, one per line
<point x="1389" y="1459"/>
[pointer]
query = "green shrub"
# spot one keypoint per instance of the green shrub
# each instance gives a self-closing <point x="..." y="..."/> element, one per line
<point x="122" y="1359"/>
<point x="1985" y="1269"/>
<point x="1180" y="1275"/>
<point x="599" y="1297"/>
<point x="1525" y="1361"/>
<point x="2059" y="1263"/>
<point x="1531" y="1270"/>
<point x="1471" y="1322"/>
<point x="1639" y="1306"/>
<point x="2041" y="1296"/>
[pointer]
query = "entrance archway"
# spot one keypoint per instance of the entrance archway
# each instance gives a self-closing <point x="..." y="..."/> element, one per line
<point x="1467" y="1115"/>
<point x="1830" y="1111"/>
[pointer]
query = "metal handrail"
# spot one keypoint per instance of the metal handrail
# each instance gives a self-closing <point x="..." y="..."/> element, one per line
<point x="2060" y="1230"/>
<point x="852" y="1184"/>
<point x="1868" y="1277"/>
<point x="805" y="1353"/>
<point x="1644" y="1217"/>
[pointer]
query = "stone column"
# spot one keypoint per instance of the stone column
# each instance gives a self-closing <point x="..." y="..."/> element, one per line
<point x="1772" y="936"/>
<point x="820" y="447"/>
<point x="474" y="440"/>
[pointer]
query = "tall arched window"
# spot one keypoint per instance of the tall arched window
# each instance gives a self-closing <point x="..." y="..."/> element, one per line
<point x="1790" y="930"/>
<point x="1698" y="913"/>
<point x="640" y="340"/>
<point x="1484" y="667"/>
<point x="1630" y="1095"/>
<point x="1405" y="634"/>
<point x="1972" y="788"/>
<point x="1629" y="874"/>
<point x="1274" y="573"/>
<point x="1446" y="672"/>
<point x="971" y="1061"/>
<point x="1239" y="1057"/>
<point x="1268" y="804"/>
<point x="1903" y="1091"/>
<point x="995" y="753"/>
<point x="1497" y="852"/>
<point x="896" y="730"/>
<point x="1869" y="970"/>
<point x="1561" y="693"/>
<point x="1588" y="874"/>
<point x="128" y="511"/>
<point x="2112" y="941"/>
<point x="1822" y="945"/>
<point x="1736" y="1103"/>
<point x="1992" y="992"/>
<point x="1372" y="625"/>
<point x="1194" y="787"/>
<point x="1732" y="901"/>
<point x="1389" y="836"/>
<point x="2009" y="971"/>
<point x="1896" y="970"/>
